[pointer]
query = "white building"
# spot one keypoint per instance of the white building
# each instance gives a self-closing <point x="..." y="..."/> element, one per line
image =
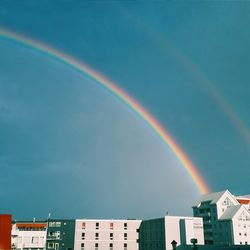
<point x="226" y="218"/>
<point x="28" y="235"/>
<point x="158" y="234"/>
<point x="106" y="234"/>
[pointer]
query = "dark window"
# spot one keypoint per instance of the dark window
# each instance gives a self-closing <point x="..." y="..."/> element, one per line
<point x="111" y="236"/>
<point x="97" y="236"/>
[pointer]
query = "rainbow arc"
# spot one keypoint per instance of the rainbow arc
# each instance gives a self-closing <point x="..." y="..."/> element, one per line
<point x="120" y="93"/>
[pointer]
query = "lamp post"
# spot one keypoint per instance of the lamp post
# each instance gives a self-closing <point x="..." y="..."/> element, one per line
<point x="194" y="242"/>
<point x="174" y="243"/>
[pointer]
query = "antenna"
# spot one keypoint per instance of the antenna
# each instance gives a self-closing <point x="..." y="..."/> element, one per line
<point x="49" y="215"/>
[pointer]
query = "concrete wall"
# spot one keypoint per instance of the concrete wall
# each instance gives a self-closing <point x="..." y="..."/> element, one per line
<point x="152" y="235"/>
<point x="106" y="234"/>
<point x="182" y="230"/>
<point x="5" y="231"/>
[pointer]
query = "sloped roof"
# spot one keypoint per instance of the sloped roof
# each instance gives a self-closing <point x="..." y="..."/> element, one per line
<point x="230" y="212"/>
<point x="213" y="197"/>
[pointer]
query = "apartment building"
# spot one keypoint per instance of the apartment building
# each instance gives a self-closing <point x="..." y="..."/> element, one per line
<point x="60" y="235"/>
<point x="158" y="234"/>
<point x="107" y="234"/>
<point x="28" y="235"/>
<point x="226" y="218"/>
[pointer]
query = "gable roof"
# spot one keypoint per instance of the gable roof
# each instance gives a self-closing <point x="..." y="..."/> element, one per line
<point x="230" y="212"/>
<point x="212" y="197"/>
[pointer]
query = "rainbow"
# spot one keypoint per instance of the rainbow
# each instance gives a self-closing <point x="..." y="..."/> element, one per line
<point x="118" y="92"/>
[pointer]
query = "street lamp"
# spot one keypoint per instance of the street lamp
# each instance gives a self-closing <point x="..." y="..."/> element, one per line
<point x="194" y="242"/>
<point x="174" y="243"/>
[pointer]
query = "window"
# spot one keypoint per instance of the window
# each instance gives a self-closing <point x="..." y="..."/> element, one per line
<point x="239" y="233"/>
<point x="54" y="235"/>
<point x="110" y="246"/>
<point x="96" y="246"/>
<point x="97" y="236"/>
<point x="125" y="226"/>
<point x="83" y="225"/>
<point x="83" y="236"/>
<point x="245" y="242"/>
<point x="82" y="246"/>
<point x="111" y="236"/>
<point x="56" y="246"/>
<point x="111" y="225"/>
<point x="58" y="224"/>
<point x="125" y="246"/>
<point x="52" y="224"/>
<point x="50" y="245"/>
<point x="97" y="225"/>
<point x="125" y="236"/>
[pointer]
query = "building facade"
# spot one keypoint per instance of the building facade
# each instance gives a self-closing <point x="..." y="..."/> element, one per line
<point x="226" y="218"/>
<point x="60" y="235"/>
<point x="28" y="235"/>
<point x="5" y="231"/>
<point x="158" y="234"/>
<point x="106" y="234"/>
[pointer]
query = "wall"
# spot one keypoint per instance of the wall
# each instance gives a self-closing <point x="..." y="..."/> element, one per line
<point x="88" y="236"/>
<point x="5" y="231"/>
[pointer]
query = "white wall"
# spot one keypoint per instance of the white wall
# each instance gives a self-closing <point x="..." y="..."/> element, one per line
<point x="192" y="228"/>
<point x="241" y="227"/>
<point x="28" y="239"/>
<point x="104" y="232"/>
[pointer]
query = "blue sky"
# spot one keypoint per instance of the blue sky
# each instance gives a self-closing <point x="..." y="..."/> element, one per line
<point x="94" y="157"/>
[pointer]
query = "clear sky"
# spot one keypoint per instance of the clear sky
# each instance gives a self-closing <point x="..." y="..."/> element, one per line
<point x="70" y="148"/>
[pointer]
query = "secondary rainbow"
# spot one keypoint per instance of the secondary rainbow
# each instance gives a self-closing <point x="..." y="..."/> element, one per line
<point x="120" y="93"/>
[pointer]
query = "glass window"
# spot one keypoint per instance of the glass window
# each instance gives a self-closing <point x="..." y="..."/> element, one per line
<point x="111" y="236"/>
<point x="96" y="246"/>
<point x="125" y="236"/>
<point x="125" y="246"/>
<point x="97" y="225"/>
<point x="111" y="225"/>
<point x="82" y="246"/>
<point x="50" y="245"/>
<point x="58" y="224"/>
<point x="83" y="225"/>
<point x="125" y="226"/>
<point x="97" y="236"/>
<point x="83" y="236"/>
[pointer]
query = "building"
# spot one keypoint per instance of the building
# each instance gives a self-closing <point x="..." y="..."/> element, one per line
<point x="226" y="218"/>
<point x="60" y="235"/>
<point x="28" y="235"/>
<point x="158" y="234"/>
<point x="5" y="231"/>
<point x="107" y="234"/>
